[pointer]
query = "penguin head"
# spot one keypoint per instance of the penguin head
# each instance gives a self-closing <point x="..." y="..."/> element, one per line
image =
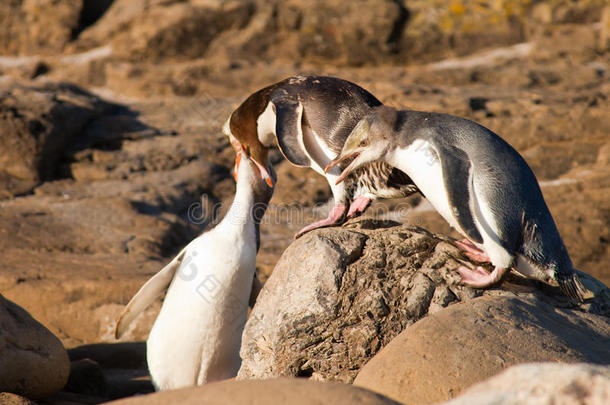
<point x="249" y="172"/>
<point x="369" y="141"/>
<point x="245" y="140"/>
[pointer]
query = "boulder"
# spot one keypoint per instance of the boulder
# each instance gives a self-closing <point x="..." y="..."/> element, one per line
<point x="543" y="384"/>
<point x="444" y="353"/>
<point x="37" y="26"/>
<point x="165" y="30"/>
<point x="36" y="125"/>
<point x="33" y="362"/>
<point x="288" y="391"/>
<point x="338" y="295"/>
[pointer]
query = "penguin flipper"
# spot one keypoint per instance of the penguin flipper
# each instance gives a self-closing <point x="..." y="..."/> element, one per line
<point x="456" y="175"/>
<point x="289" y="132"/>
<point x="147" y="294"/>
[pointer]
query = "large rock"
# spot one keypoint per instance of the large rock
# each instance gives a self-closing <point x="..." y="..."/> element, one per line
<point x="33" y="362"/>
<point x="446" y="352"/>
<point x="285" y="391"/>
<point x="165" y="30"/>
<point x="338" y="295"/>
<point x="37" y="26"/>
<point x="320" y="31"/>
<point x="36" y="125"/>
<point x="543" y="384"/>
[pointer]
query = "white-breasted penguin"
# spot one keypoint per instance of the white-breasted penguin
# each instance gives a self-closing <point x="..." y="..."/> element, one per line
<point x="309" y="118"/>
<point x="197" y="334"/>
<point x="478" y="183"/>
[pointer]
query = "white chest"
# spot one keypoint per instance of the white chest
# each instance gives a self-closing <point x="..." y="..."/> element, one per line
<point x="420" y="161"/>
<point x="197" y="335"/>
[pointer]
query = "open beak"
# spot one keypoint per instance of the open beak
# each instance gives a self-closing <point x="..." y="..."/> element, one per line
<point x="348" y="169"/>
<point x="239" y="149"/>
<point x="264" y="173"/>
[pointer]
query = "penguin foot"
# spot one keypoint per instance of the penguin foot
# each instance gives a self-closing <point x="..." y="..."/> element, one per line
<point x="335" y="217"/>
<point x="471" y="251"/>
<point x="358" y="206"/>
<point x="479" y="278"/>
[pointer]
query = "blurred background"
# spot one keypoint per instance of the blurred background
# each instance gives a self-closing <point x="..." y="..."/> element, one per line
<point x="110" y="117"/>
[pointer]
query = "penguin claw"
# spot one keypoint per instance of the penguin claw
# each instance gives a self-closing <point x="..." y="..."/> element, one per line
<point x="358" y="206"/>
<point x="473" y="276"/>
<point x="478" y="257"/>
<point x="335" y="217"/>
<point x="479" y="278"/>
<point x="471" y="251"/>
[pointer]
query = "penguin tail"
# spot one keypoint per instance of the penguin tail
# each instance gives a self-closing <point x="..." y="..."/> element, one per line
<point x="572" y="287"/>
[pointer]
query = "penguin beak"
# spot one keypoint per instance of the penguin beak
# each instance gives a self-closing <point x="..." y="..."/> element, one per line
<point x="260" y="157"/>
<point x="241" y="148"/>
<point x="351" y="149"/>
<point x="348" y="169"/>
<point x="236" y="167"/>
<point x="264" y="173"/>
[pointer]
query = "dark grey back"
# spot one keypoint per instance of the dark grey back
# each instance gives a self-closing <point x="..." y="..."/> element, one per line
<point x="331" y="107"/>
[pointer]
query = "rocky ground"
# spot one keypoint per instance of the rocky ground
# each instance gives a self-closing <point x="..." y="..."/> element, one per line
<point x="112" y="157"/>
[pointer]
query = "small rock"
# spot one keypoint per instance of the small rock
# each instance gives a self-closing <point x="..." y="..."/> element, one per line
<point x="33" y="362"/>
<point x="263" y="392"/>
<point x="542" y="384"/>
<point x="6" y="398"/>
<point x="444" y="353"/>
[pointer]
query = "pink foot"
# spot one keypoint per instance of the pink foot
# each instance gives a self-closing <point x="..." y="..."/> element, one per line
<point x="479" y="277"/>
<point x="471" y="251"/>
<point x="334" y="217"/>
<point x="358" y="206"/>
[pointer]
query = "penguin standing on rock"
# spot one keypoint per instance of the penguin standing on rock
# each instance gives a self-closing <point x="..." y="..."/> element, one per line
<point x="309" y="118"/>
<point x="478" y="183"/>
<point x="197" y="335"/>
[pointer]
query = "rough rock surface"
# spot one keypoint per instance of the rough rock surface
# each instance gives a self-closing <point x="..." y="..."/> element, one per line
<point x="337" y="296"/>
<point x="36" y="125"/>
<point x="6" y="398"/>
<point x="33" y="362"/>
<point x="542" y="384"/>
<point x="286" y="391"/>
<point x="34" y="26"/>
<point x="444" y="353"/>
<point x="115" y="198"/>
<point x="320" y="31"/>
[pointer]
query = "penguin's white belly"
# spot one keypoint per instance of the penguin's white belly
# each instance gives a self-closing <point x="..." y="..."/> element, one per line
<point x="197" y="335"/>
<point x="420" y="162"/>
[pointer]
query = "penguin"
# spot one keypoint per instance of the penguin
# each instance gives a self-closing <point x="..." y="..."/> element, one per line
<point x="309" y="118"/>
<point x="197" y="334"/>
<point x="478" y="183"/>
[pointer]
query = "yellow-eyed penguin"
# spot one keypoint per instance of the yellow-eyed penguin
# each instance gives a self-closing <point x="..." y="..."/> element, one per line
<point x="197" y="334"/>
<point x="478" y="183"/>
<point x="309" y="118"/>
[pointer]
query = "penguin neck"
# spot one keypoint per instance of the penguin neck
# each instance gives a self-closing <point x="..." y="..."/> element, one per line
<point x="243" y="217"/>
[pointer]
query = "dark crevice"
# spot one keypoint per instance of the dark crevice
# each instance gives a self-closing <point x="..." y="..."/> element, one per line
<point x="92" y="11"/>
<point x="393" y="40"/>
